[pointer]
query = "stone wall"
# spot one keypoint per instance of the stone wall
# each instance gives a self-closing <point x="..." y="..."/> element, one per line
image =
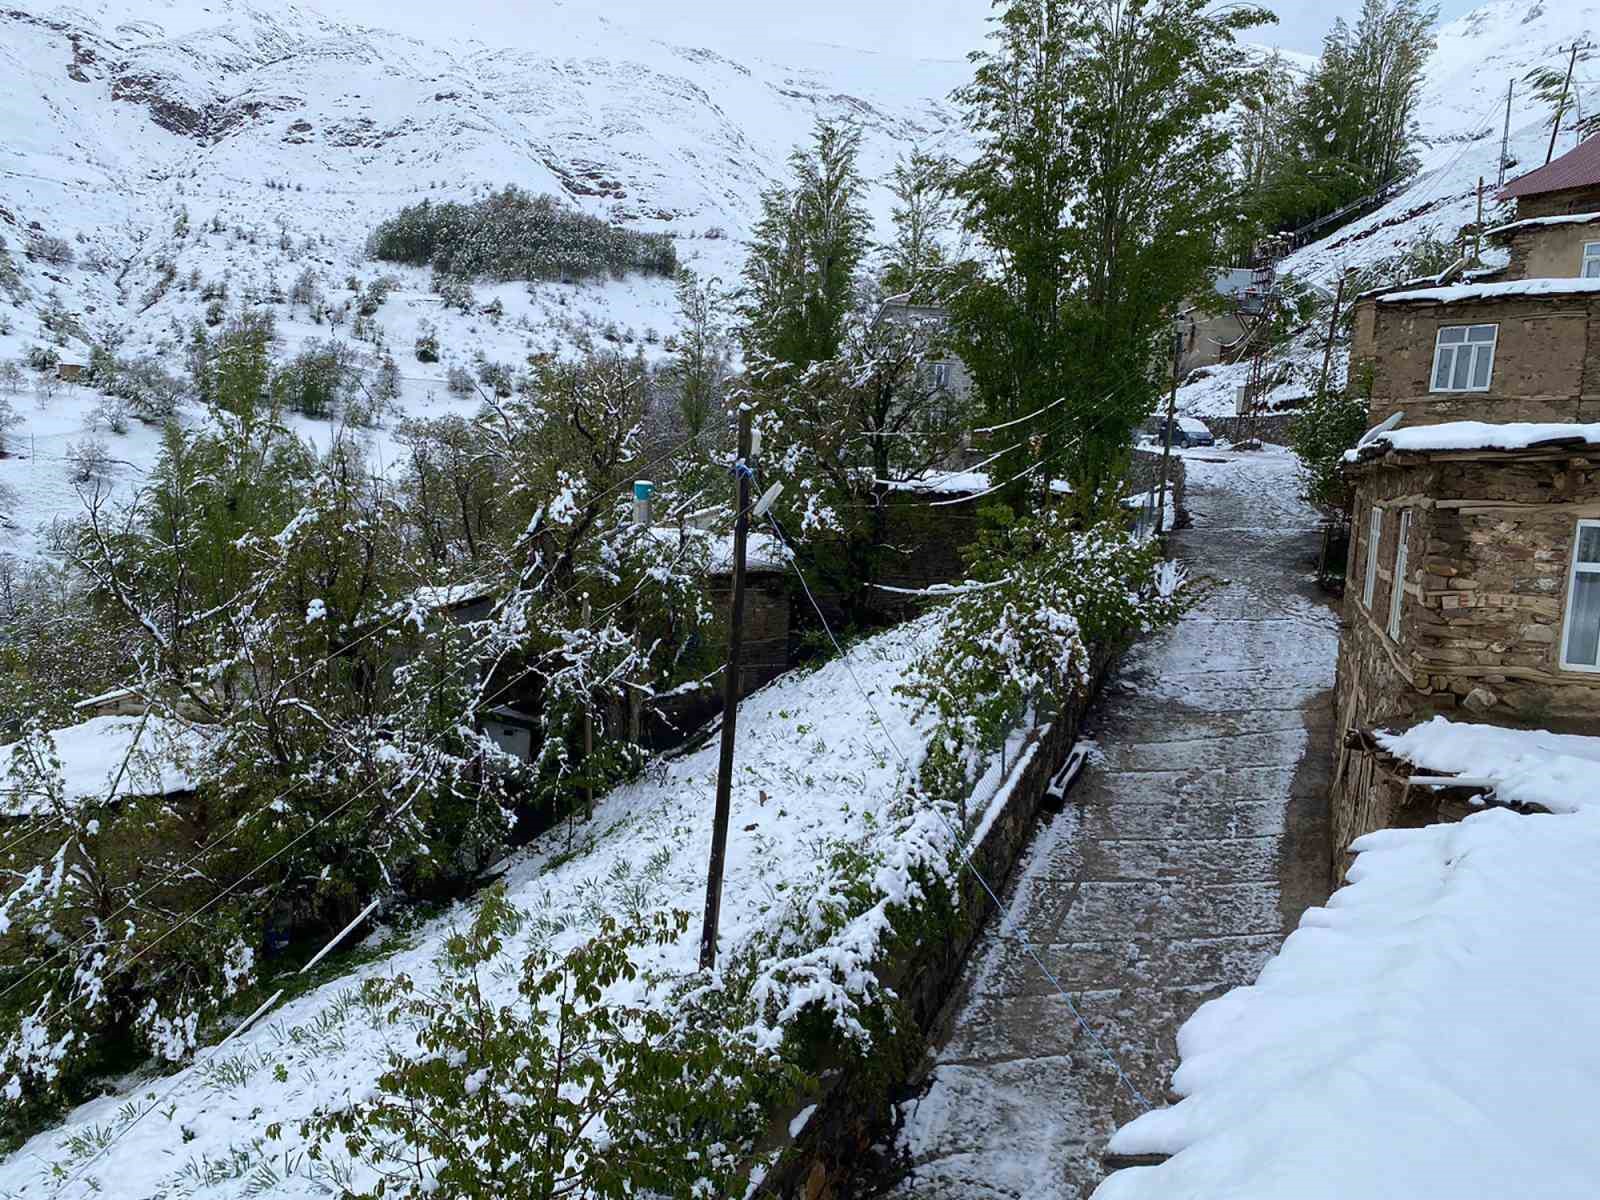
<point x="1274" y="428"/>
<point x="1144" y="472"/>
<point x="1546" y="363"/>
<point x="850" y="1118"/>
<point x="1483" y="605"/>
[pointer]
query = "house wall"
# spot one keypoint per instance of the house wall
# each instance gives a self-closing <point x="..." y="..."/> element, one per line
<point x="1559" y="204"/>
<point x="1204" y="337"/>
<point x="1482" y="618"/>
<point x="1548" y="251"/>
<point x="1546" y="366"/>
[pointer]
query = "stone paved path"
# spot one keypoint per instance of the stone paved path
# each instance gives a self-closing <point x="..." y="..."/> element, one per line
<point x="1184" y="857"/>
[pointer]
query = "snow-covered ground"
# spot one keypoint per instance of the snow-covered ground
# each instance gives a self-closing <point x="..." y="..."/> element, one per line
<point x="815" y="773"/>
<point x="1431" y="1032"/>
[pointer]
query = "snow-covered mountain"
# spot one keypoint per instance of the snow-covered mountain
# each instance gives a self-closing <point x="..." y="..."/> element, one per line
<point x="178" y="145"/>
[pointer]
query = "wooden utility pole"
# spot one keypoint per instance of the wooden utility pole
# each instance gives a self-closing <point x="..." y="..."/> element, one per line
<point x="1172" y="416"/>
<point x="1477" y="229"/>
<point x="1333" y="325"/>
<point x="1505" y="135"/>
<point x="730" y="698"/>
<point x="588" y="739"/>
<point x="1561" y="107"/>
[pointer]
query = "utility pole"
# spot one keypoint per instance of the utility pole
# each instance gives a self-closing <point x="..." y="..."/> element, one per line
<point x="730" y="698"/>
<point x="1333" y="324"/>
<point x="1477" y="228"/>
<point x="1172" y="411"/>
<point x="1561" y="107"/>
<point x="1505" y="134"/>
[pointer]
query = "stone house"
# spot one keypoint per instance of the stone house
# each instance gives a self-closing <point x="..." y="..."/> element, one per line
<point x="1474" y="573"/>
<point x="949" y="373"/>
<point x="1212" y="324"/>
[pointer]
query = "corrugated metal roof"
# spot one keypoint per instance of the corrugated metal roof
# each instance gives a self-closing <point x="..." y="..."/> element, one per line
<point x="1576" y="168"/>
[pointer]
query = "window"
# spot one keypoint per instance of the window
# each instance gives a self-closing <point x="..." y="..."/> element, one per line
<point x="1581" y="641"/>
<point x="1374" y="536"/>
<point x="941" y="375"/>
<point x="1397" y="589"/>
<point x="1463" y="358"/>
<point x="1591" y="260"/>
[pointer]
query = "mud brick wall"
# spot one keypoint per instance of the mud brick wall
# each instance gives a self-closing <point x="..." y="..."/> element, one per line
<point x="1548" y="251"/>
<point x="1556" y="204"/>
<point x="1483" y="609"/>
<point x="1546" y="363"/>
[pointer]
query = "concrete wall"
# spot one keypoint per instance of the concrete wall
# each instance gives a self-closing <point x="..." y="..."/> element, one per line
<point x="1546" y="364"/>
<point x="1204" y="337"/>
<point x="1483" y="608"/>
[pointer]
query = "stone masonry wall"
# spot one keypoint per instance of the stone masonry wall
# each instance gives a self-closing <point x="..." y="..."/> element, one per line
<point x="1548" y="251"/>
<point x="1483" y="608"/>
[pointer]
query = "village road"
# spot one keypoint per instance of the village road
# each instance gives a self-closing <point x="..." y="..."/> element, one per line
<point x="1186" y="853"/>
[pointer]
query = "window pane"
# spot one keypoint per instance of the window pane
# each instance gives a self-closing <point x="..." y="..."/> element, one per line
<point x="1589" y="544"/>
<point x="1480" y="367"/>
<point x="1441" y="369"/>
<point x="1583" y="622"/>
<point x="1481" y="333"/>
<point x="1591" y="268"/>
<point x="1452" y="334"/>
<point x="1463" y="367"/>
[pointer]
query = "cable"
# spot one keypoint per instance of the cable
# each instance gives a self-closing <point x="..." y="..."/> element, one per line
<point x="960" y="838"/>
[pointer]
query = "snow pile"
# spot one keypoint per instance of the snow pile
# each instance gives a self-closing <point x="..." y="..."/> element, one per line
<point x="1432" y="1032"/>
<point x="1560" y="772"/>
<point x="1477" y="435"/>
<point x="163" y="756"/>
<point x="1496" y="291"/>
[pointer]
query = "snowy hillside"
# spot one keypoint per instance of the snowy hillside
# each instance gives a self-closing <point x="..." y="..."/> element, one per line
<point x="1460" y="117"/>
<point x="181" y="148"/>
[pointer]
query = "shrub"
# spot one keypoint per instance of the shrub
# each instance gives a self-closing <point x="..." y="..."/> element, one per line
<point x="458" y="381"/>
<point x="428" y="344"/>
<point x="112" y="413"/>
<point x="88" y="460"/>
<point x="514" y="235"/>
<point x="53" y="250"/>
<point x="496" y="376"/>
<point x="453" y="291"/>
<point x="151" y="393"/>
<point x="1323" y="430"/>
<point x="9" y="419"/>
<point x="562" y="1092"/>
<point x="10" y="377"/>
<point x="316" y="380"/>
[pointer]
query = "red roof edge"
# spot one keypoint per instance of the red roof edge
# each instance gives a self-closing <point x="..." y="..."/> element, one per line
<point x="1579" y="167"/>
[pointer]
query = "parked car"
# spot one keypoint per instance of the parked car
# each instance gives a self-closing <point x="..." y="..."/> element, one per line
<point x="1186" y="431"/>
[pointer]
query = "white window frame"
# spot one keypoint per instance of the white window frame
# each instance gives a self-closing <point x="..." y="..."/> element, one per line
<point x="1574" y="569"/>
<point x="941" y="375"/>
<point x="1369" y="585"/>
<point x="1397" y="586"/>
<point x="1591" y="261"/>
<point x="1450" y="350"/>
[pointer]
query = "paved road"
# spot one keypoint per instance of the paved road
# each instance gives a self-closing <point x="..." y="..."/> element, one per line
<point x="1184" y="857"/>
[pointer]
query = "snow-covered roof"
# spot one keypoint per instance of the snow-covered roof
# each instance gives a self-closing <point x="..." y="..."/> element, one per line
<point x="165" y="759"/>
<point x="1560" y="772"/>
<point x="762" y="552"/>
<point x="1579" y="167"/>
<point x="1477" y="435"/>
<point x="1431" y="1032"/>
<point x="959" y="483"/>
<point x="1587" y="218"/>
<point x="451" y="595"/>
<point x="1495" y="291"/>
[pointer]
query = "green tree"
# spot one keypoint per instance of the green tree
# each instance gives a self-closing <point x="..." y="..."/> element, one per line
<point x="1099" y="188"/>
<point x="700" y="360"/>
<point x="916" y="265"/>
<point x="800" y="276"/>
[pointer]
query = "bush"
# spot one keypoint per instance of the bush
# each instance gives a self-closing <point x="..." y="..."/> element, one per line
<point x="10" y="377"/>
<point x="454" y="292"/>
<point x="458" y="381"/>
<point x="151" y="394"/>
<point x="562" y="1092"/>
<point x="9" y="419"/>
<point x="88" y="460"/>
<point x="112" y="413"/>
<point x="1322" y="432"/>
<point x="428" y="344"/>
<point x="316" y="380"/>
<point x="513" y="235"/>
<point x="53" y="250"/>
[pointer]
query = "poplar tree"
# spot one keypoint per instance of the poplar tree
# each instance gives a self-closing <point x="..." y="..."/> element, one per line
<point x="800" y="275"/>
<point x="1099" y="188"/>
